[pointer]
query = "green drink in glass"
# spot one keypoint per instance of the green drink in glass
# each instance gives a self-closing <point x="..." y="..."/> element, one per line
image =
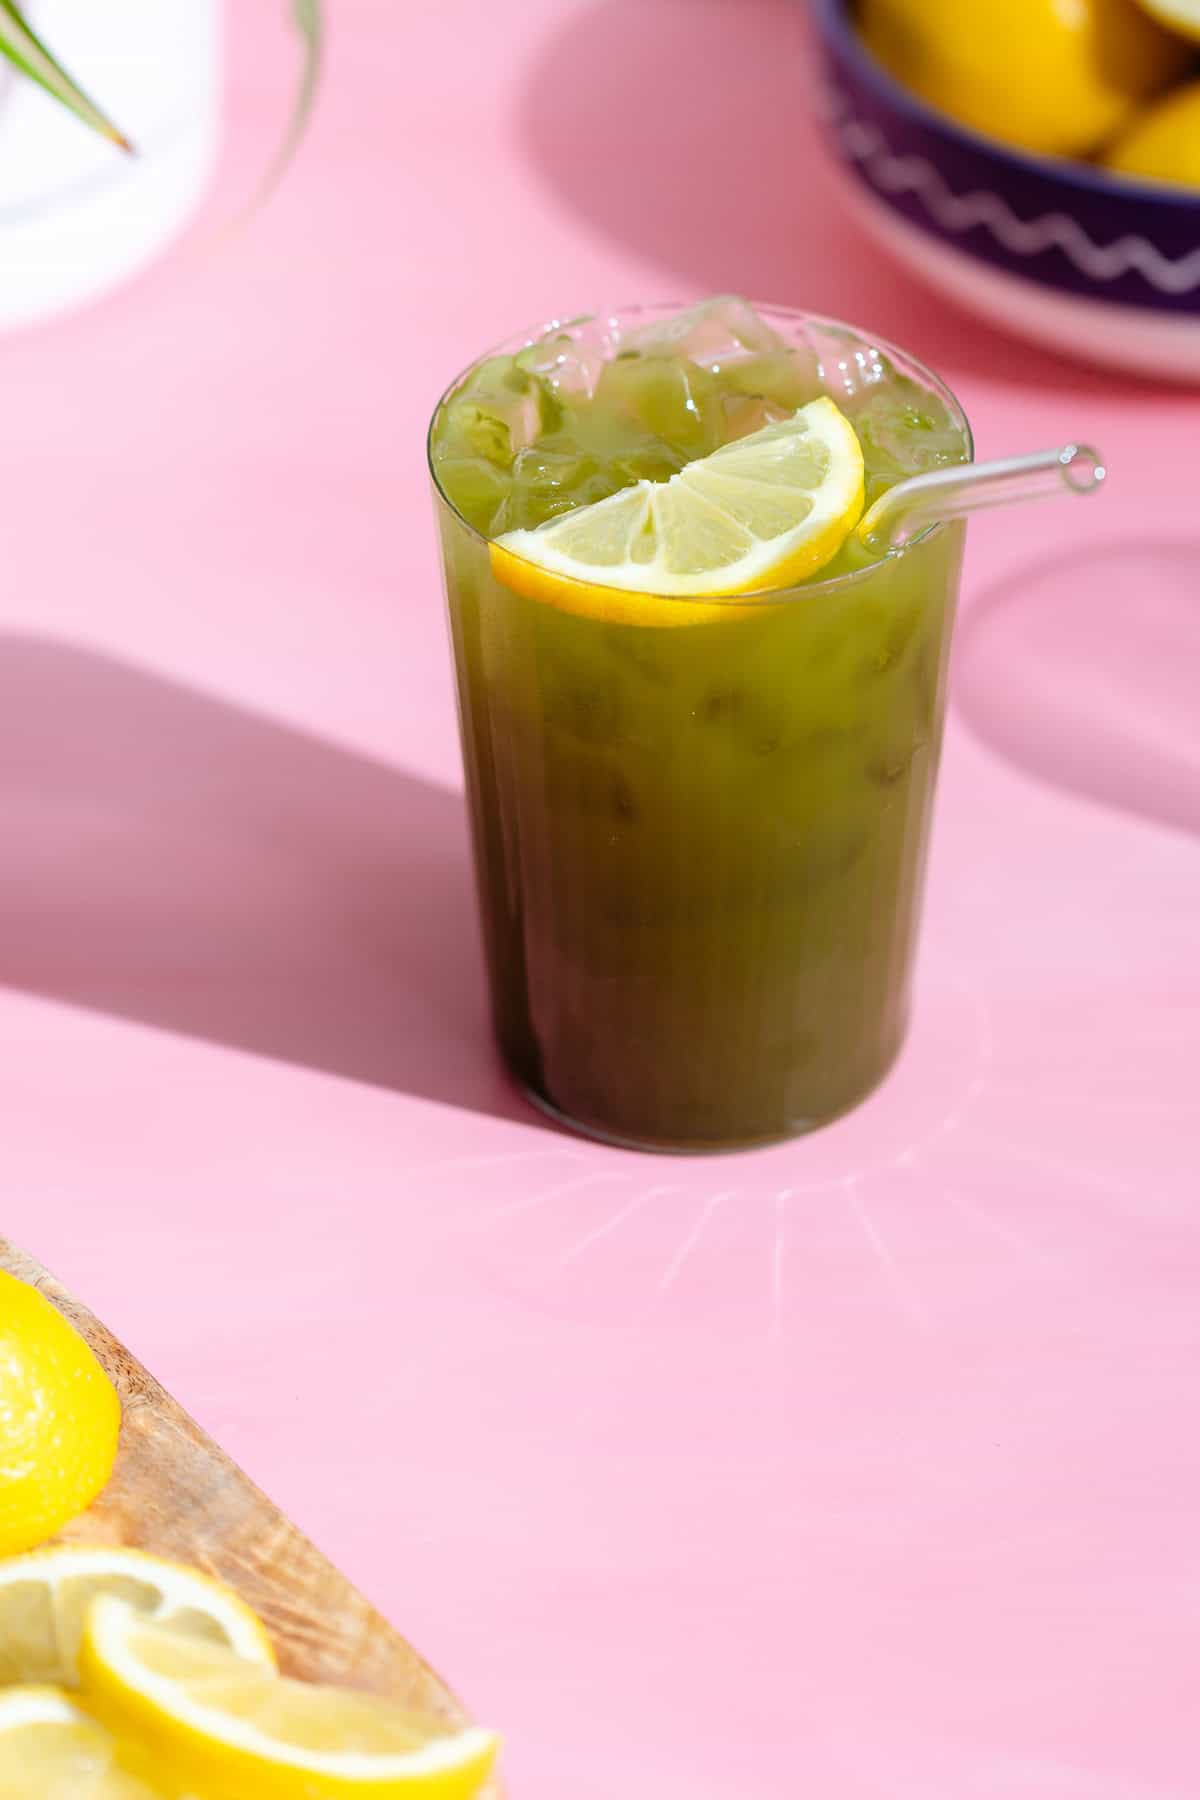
<point x="700" y="820"/>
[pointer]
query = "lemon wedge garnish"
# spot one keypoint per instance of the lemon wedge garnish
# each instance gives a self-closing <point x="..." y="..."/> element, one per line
<point x="49" y="1749"/>
<point x="44" y="1599"/>
<point x="59" y="1419"/>
<point x="762" y="512"/>
<point x="220" y="1724"/>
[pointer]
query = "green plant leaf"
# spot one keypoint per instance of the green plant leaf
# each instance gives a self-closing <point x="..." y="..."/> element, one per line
<point x="27" y="52"/>
<point x="309" y="21"/>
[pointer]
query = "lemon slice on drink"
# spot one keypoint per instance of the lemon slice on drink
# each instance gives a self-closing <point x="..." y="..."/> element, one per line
<point x="218" y="1723"/>
<point x="44" y="1599"/>
<point x="50" y="1749"/>
<point x="762" y="512"/>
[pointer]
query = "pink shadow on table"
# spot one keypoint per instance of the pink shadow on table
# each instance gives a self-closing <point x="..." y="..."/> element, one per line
<point x="1081" y="670"/>
<point x="178" y="860"/>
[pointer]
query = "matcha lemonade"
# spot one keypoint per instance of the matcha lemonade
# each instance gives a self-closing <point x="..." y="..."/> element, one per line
<point x="700" y="816"/>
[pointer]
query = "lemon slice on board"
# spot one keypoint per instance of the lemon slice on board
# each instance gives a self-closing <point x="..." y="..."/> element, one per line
<point x="44" y="1599"/>
<point x="49" y="1750"/>
<point x="221" y="1724"/>
<point x="762" y="512"/>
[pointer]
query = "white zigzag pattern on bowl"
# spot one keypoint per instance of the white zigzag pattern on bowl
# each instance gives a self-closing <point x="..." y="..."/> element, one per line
<point x="867" y="145"/>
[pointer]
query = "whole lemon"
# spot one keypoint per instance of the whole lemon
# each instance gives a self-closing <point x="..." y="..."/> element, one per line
<point x="1054" y="76"/>
<point x="1177" y="15"/>
<point x="59" y="1420"/>
<point x="1163" y="143"/>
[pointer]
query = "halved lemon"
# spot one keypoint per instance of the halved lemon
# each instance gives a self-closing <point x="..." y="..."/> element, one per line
<point x="760" y="513"/>
<point x="44" y="1599"/>
<point x="50" y="1750"/>
<point x="220" y="1724"/>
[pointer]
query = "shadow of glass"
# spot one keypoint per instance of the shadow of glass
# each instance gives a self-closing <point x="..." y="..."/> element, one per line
<point x="177" y="860"/>
<point x="685" y="131"/>
<point x="1081" y="670"/>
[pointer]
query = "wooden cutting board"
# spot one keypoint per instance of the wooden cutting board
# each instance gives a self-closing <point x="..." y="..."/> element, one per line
<point x="175" y="1493"/>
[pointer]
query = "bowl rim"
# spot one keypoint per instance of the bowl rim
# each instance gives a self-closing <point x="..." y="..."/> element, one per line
<point x="834" y="21"/>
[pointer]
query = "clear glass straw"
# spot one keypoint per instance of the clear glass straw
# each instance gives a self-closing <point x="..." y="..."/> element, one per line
<point x="914" y="505"/>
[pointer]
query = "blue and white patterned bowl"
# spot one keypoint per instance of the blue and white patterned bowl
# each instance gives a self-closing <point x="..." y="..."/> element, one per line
<point x="1094" y="264"/>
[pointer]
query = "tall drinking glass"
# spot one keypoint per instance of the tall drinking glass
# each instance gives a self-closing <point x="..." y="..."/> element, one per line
<point x="700" y="844"/>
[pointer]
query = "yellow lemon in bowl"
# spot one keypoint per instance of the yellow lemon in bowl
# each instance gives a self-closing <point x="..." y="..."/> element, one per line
<point x="1163" y="143"/>
<point x="59" y="1420"/>
<point x="1178" y="15"/>
<point x="1057" y="77"/>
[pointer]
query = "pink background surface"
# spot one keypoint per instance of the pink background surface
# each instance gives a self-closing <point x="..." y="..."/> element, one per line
<point x="863" y="1467"/>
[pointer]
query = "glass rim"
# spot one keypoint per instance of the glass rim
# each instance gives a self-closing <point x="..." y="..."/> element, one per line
<point x="621" y="314"/>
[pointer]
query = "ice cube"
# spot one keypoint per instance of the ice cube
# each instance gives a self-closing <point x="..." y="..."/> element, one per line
<point x="672" y="399"/>
<point x="904" y="430"/>
<point x="846" y="365"/>
<point x="708" y="333"/>
<point x="498" y="410"/>
<point x="646" y="459"/>
<point x="548" y="481"/>
<point x="742" y="414"/>
<point x="788" y="378"/>
<point x="477" y="488"/>
<point x="568" y="358"/>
